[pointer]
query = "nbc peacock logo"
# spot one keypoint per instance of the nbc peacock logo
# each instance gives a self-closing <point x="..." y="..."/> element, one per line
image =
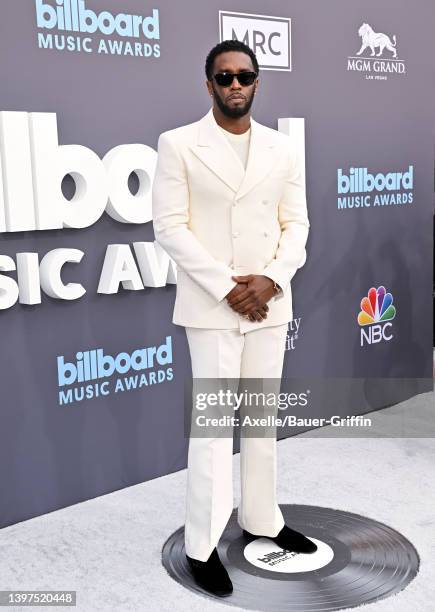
<point x="377" y="312"/>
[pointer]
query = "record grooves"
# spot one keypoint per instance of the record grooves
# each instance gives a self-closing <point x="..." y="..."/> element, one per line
<point x="358" y="561"/>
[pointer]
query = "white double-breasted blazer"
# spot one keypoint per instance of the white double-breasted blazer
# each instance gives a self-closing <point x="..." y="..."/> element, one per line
<point x="215" y="220"/>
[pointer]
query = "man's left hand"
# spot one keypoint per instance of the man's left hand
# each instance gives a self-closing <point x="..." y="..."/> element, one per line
<point x="259" y="290"/>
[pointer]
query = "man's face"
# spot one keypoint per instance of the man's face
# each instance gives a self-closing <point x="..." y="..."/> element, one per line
<point x="236" y="100"/>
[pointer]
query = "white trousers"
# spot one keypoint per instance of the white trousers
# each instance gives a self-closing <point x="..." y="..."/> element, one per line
<point x="227" y="353"/>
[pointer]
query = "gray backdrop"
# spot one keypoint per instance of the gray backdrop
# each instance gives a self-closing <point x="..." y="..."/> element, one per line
<point x="52" y="456"/>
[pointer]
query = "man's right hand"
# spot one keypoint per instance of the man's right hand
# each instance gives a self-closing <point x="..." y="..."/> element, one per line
<point x="256" y="314"/>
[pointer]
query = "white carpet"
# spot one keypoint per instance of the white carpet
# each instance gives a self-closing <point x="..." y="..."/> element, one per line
<point x="109" y="549"/>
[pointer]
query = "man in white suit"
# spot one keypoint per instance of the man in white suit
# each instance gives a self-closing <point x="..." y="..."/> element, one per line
<point x="229" y="208"/>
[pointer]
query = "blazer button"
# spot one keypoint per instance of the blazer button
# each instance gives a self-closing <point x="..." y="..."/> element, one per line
<point x="235" y="234"/>
<point x="266" y="233"/>
<point x="264" y="201"/>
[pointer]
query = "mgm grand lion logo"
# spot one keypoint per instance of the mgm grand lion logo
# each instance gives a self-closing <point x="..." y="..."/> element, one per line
<point x="382" y="62"/>
<point x="373" y="40"/>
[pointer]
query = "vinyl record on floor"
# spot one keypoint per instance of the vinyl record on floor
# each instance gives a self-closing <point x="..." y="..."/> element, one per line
<point x="357" y="561"/>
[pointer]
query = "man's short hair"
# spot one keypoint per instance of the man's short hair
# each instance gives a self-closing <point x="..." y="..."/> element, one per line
<point x="228" y="45"/>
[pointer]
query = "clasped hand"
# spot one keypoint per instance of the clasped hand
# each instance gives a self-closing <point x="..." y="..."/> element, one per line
<point x="250" y="296"/>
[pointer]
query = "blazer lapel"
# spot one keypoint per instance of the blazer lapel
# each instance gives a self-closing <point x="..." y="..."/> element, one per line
<point x="214" y="150"/>
<point x="261" y="159"/>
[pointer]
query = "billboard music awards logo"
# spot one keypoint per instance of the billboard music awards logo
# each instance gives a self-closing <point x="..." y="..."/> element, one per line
<point x="33" y="165"/>
<point x="359" y="188"/>
<point x="377" y="57"/>
<point x="89" y="375"/>
<point x="268" y="556"/>
<point x="275" y="557"/>
<point x="269" y="37"/>
<point x="374" y="319"/>
<point x="75" y="23"/>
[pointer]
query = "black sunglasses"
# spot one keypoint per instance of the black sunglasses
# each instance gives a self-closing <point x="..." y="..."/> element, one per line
<point x="225" y="79"/>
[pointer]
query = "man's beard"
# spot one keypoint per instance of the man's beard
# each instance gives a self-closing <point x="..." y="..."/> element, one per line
<point x="235" y="111"/>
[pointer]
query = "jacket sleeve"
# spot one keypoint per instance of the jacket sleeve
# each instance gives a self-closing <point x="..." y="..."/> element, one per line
<point x="170" y="209"/>
<point x="293" y="218"/>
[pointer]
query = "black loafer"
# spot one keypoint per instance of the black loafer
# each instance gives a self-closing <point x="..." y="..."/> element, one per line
<point x="288" y="539"/>
<point x="211" y="575"/>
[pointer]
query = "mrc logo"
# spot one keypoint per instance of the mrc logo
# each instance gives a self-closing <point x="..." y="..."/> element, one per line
<point x="269" y="37"/>
<point x="377" y="312"/>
